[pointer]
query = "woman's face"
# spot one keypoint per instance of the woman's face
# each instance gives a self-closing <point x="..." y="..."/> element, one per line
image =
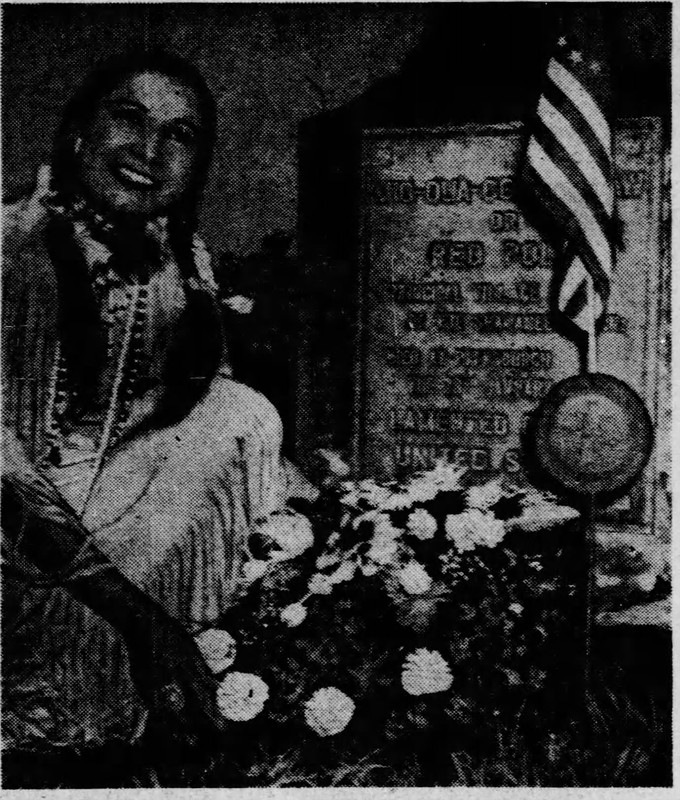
<point x="138" y="154"/>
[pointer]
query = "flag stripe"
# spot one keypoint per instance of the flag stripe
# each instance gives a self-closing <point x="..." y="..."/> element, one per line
<point x="581" y="318"/>
<point x="573" y="290"/>
<point x="565" y="106"/>
<point x="567" y="193"/>
<point x="566" y="225"/>
<point x="577" y="308"/>
<point x="580" y="154"/>
<point x="574" y="90"/>
<point x="572" y="279"/>
<point x="559" y="156"/>
<point x="577" y="301"/>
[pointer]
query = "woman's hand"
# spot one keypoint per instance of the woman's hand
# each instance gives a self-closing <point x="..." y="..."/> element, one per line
<point x="173" y="678"/>
<point x="330" y="469"/>
<point x="327" y="471"/>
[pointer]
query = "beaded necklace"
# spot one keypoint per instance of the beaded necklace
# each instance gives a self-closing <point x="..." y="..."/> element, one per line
<point x="126" y="377"/>
<point x="124" y="310"/>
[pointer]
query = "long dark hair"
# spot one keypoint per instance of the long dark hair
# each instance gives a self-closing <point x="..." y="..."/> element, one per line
<point x="197" y="345"/>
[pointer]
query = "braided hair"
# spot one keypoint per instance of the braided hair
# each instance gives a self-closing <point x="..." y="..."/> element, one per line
<point x="196" y="349"/>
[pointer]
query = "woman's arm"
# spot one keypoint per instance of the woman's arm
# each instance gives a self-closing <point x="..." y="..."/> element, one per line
<point x="43" y="539"/>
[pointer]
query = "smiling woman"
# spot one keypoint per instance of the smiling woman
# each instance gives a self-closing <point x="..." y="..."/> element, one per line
<point x="138" y="154"/>
<point x="126" y="436"/>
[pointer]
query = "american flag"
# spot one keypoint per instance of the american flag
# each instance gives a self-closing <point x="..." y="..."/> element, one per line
<point x="569" y="167"/>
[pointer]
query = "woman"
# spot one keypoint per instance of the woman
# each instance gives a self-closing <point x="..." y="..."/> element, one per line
<point x="117" y="390"/>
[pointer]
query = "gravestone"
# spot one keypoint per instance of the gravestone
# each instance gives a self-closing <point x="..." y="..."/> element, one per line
<point x="458" y="341"/>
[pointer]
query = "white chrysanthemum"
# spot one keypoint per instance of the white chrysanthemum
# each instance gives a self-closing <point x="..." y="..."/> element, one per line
<point x="485" y="496"/>
<point x="369" y="568"/>
<point x="255" y="569"/>
<point x="397" y="502"/>
<point x="294" y="614"/>
<point x="218" y="649"/>
<point x="383" y="549"/>
<point x="328" y="711"/>
<point x="490" y="531"/>
<point x="446" y="477"/>
<point x="472" y="529"/>
<point x="421" y="490"/>
<point x="291" y="531"/>
<point x="372" y="493"/>
<point x="320" y="584"/>
<point x="426" y="672"/>
<point x="421" y="524"/>
<point x="414" y="578"/>
<point x="326" y="560"/>
<point x="382" y="525"/>
<point x="345" y="572"/>
<point x="460" y="530"/>
<point x="241" y="696"/>
<point x="350" y="499"/>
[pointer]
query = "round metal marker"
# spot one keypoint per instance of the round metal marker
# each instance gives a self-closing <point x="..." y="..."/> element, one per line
<point x="592" y="435"/>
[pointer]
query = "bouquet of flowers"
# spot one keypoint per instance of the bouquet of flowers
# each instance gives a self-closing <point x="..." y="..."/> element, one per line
<point x="419" y="604"/>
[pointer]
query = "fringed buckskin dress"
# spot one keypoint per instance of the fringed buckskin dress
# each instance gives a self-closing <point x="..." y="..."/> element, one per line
<point x="171" y="507"/>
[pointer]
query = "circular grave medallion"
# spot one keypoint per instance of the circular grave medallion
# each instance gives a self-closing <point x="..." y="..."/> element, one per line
<point x="591" y="434"/>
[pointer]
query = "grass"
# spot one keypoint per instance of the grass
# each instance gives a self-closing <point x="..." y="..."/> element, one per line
<point x="620" y="736"/>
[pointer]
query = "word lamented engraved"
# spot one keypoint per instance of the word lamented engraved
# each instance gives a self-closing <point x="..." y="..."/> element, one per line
<point x="433" y="419"/>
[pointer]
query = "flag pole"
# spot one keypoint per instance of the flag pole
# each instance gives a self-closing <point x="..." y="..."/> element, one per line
<point x="592" y="342"/>
<point x="589" y="509"/>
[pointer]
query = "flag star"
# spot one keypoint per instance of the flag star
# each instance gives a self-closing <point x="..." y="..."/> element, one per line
<point x="595" y="67"/>
<point x="562" y="41"/>
<point x="575" y="57"/>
